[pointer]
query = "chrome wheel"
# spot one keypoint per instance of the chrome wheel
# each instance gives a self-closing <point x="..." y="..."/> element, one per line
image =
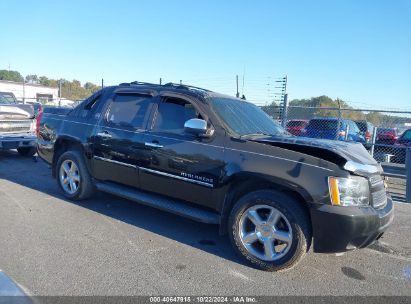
<point x="265" y="232"/>
<point x="69" y="176"/>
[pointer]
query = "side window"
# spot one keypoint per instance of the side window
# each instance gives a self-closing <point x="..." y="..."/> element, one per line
<point x="407" y="135"/>
<point x="129" y="111"/>
<point x="90" y="105"/>
<point x="172" y="114"/>
<point x="354" y="127"/>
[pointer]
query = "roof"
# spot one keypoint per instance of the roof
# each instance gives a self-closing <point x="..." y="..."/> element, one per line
<point x="181" y="88"/>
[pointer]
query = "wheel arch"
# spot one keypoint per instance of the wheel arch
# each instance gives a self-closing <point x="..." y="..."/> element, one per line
<point x="63" y="144"/>
<point x="244" y="183"/>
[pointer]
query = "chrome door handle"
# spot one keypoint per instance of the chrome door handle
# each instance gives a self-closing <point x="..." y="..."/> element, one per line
<point x="152" y="145"/>
<point x="104" y="134"/>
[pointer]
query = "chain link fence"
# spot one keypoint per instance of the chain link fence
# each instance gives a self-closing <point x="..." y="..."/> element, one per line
<point x="384" y="133"/>
<point x="50" y="102"/>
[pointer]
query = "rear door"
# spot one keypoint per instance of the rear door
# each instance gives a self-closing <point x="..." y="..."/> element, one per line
<point x="118" y="147"/>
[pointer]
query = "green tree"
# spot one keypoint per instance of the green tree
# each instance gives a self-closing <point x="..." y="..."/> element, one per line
<point x="43" y="80"/>
<point x="11" y="76"/>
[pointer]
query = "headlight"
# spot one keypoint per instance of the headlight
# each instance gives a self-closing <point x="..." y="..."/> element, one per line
<point x="353" y="191"/>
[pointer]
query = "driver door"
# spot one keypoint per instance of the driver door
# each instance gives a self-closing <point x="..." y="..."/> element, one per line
<point x="180" y="165"/>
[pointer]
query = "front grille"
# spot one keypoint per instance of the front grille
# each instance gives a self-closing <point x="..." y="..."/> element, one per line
<point x="379" y="199"/>
<point x="15" y="126"/>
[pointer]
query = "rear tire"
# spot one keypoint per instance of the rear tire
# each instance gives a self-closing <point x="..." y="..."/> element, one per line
<point x="73" y="177"/>
<point x="270" y="219"/>
<point x="27" y="151"/>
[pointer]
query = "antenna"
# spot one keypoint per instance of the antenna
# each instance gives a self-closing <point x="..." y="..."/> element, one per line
<point x="236" y="80"/>
<point x="242" y="90"/>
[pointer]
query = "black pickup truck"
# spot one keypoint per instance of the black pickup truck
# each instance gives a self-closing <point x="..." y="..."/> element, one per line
<point x="219" y="160"/>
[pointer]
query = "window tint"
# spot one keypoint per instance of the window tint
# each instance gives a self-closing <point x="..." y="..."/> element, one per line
<point x="6" y="98"/>
<point x="88" y="107"/>
<point x="172" y="114"/>
<point x="407" y="135"/>
<point x="353" y="127"/>
<point x="129" y="111"/>
<point x="362" y="125"/>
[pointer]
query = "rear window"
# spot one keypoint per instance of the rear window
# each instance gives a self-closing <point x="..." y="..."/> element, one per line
<point x="323" y="124"/>
<point x="407" y="135"/>
<point x="7" y="98"/>
<point x="362" y="125"/>
<point x="296" y="123"/>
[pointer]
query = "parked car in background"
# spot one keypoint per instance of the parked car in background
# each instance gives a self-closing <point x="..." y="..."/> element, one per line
<point x="333" y="128"/>
<point x="296" y="126"/>
<point x="18" y="125"/>
<point x="367" y="129"/>
<point x="401" y="145"/>
<point x="386" y="136"/>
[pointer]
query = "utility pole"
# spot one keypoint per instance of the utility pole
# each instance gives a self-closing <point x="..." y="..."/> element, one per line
<point x="59" y="92"/>
<point x="283" y="111"/>
<point x="236" y="80"/>
<point x="181" y="82"/>
<point x="161" y="81"/>
<point x="24" y="90"/>
<point x="102" y="83"/>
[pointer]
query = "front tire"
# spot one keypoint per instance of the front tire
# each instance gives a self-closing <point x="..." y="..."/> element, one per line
<point x="73" y="177"/>
<point x="270" y="230"/>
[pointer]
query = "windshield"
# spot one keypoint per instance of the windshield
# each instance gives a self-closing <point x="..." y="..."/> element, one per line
<point x="7" y="98"/>
<point x="245" y="118"/>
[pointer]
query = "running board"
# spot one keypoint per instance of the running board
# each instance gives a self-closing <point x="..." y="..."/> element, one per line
<point x="160" y="202"/>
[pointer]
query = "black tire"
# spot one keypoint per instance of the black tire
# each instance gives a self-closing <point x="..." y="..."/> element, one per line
<point x="295" y="214"/>
<point x="85" y="186"/>
<point x="27" y="151"/>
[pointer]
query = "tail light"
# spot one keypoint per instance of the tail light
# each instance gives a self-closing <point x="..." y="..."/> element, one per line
<point x="367" y="135"/>
<point x="38" y="120"/>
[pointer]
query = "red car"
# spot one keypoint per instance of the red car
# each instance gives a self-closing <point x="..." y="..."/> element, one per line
<point x="386" y="136"/>
<point x="296" y="126"/>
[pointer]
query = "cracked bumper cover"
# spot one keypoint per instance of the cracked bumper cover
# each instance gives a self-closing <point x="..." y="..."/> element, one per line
<point x="339" y="229"/>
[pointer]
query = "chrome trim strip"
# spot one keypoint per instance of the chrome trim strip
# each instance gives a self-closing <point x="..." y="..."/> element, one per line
<point x="114" y="162"/>
<point x="156" y="172"/>
<point x="152" y="145"/>
<point x="177" y="177"/>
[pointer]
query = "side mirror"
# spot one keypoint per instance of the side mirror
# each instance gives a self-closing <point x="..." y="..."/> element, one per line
<point x="196" y="126"/>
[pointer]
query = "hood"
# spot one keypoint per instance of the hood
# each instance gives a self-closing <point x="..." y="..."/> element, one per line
<point x="16" y="111"/>
<point x="338" y="152"/>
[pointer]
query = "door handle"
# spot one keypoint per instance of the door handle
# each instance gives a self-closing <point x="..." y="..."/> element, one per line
<point x="104" y="134"/>
<point x="153" y="145"/>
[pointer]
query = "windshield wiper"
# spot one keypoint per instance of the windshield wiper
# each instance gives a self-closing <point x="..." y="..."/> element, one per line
<point x="255" y="134"/>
